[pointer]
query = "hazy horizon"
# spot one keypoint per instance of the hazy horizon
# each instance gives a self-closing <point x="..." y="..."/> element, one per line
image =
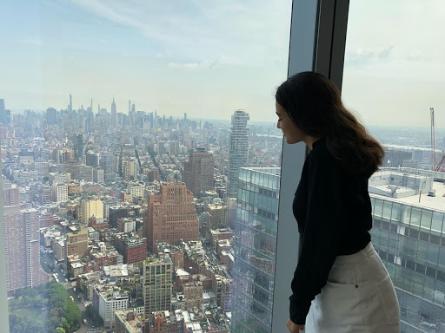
<point x="213" y="58"/>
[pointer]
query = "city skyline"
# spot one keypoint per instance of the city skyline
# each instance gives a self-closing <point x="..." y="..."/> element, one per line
<point x="223" y="57"/>
<point x="173" y="59"/>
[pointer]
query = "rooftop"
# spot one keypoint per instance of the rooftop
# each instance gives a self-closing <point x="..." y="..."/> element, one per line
<point x="132" y="321"/>
<point x="408" y="195"/>
<point x="116" y="270"/>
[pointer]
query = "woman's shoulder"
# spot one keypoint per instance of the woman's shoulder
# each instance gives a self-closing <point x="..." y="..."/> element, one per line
<point x="320" y="159"/>
<point x="320" y="153"/>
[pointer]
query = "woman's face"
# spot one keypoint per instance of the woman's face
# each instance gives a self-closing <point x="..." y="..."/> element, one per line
<point x="290" y="130"/>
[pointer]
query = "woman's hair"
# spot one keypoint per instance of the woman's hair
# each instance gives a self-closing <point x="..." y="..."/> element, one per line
<point x="313" y="102"/>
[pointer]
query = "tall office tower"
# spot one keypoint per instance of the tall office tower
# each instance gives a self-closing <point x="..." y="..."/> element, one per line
<point x="113" y="113"/>
<point x="32" y="246"/>
<point x="255" y="239"/>
<point x="51" y="116"/>
<point x="21" y="238"/>
<point x="88" y="123"/>
<point x="239" y="147"/>
<point x="79" y="145"/>
<point x="157" y="284"/>
<point x="5" y="115"/>
<point x="92" y="158"/>
<point x="70" y="105"/>
<point x="199" y="171"/>
<point x="91" y="207"/>
<point x="171" y="215"/>
<point x="408" y="208"/>
<point x="106" y="163"/>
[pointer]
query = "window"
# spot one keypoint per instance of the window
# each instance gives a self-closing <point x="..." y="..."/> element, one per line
<point x="392" y="83"/>
<point x="147" y="113"/>
<point x="436" y="223"/>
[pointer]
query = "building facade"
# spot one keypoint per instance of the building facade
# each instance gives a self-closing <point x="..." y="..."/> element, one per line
<point x="157" y="284"/>
<point x="254" y="245"/>
<point x="238" y="151"/>
<point x="199" y="171"/>
<point x="22" y="250"/>
<point x="171" y="215"/>
<point x="409" y="234"/>
<point x="60" y="192"/>
<point x="108" y="300"/>
<point x="77" y="243"/>
<point x="92" y="207"/>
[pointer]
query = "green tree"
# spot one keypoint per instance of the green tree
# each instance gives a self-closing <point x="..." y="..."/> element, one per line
<point x="51" y="300"/>
<point x="93" y="316"/>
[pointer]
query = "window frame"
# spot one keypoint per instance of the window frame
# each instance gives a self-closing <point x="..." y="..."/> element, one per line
<point x="317" y="43"/>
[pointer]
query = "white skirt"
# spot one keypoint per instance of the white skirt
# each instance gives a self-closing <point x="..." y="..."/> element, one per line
<point x="358" y="297"/>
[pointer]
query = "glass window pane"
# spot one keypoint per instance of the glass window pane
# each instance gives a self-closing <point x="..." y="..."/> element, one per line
<point x="436" y="223"/>
<point x="141" y="163"/>
<point x="415" y="217"/>
<point x="427" y="215"/>
<point x="387" y="206"/>
<point x="406" y="214"/>
<point x="378" y="208"/>
<point x="396" y="212"/>
<point x="401" y="64"/>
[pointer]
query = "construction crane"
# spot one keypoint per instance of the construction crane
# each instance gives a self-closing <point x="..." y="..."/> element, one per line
<point x="433" y="140"/>
<point x="441" y="165"/>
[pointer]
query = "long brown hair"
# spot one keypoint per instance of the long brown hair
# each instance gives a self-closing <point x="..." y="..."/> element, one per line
<point x="313" y="102"/>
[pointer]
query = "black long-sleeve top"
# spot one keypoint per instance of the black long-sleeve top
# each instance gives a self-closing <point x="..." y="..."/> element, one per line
<point x="333" y="211"/>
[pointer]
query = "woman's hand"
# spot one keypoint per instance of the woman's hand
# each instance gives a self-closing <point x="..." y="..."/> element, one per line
<point x="294" y="328"/>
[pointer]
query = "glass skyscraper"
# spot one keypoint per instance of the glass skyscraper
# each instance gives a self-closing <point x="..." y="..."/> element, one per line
<point x="255" y="237"/>
<point x="409" y="235"/>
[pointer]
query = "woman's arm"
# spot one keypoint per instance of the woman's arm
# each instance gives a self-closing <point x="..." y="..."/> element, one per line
<point x="321" y="234"/>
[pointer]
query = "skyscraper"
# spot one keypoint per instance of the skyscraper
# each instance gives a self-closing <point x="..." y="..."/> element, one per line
<point x="199" y="171"/>
<point x="171" y="215"/>
<point x="107" y="164"/>
<point x="157" y="284"/>
<point x="5" y="115"/>
<point x="22" y="242"/>
<point x="79" y="145"/>
<point x="255" y="242"/>
<point x="70" y="105"/>
<point x="409" y="235"/>
<point x="239" y="147"/>
<point x="113" y="113"/>
<point x="92" y="158"/>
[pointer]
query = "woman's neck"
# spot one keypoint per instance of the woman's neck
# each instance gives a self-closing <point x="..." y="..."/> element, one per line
<point x="309" y="140"/>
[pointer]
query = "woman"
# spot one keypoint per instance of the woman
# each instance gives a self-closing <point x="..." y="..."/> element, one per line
<point x="340" y="283"/>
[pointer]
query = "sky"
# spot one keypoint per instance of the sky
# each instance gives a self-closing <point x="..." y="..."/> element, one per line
<point x="209" y="58"/>
<point x="395" y="62"/>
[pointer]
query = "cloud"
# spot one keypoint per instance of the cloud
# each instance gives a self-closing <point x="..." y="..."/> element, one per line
<point x="363" y="57"/>
<point x="198" y="30"/>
